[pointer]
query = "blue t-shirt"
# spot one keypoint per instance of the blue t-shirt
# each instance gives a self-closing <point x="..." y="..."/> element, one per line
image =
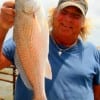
<point x="74" y="72"/>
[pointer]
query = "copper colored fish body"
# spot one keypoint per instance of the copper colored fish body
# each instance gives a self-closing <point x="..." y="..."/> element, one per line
<point x="31" y="35"/>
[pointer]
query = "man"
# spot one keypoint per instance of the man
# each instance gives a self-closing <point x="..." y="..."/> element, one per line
<point x="75" y="64"/>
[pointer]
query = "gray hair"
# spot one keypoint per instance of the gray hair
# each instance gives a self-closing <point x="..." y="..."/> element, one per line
<point x="85" y="31"/>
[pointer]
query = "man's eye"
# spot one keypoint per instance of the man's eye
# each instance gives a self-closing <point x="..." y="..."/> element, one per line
<point x="63" y="12"/>
<point x="76" y="16"/>
<point x="71" y="14"/>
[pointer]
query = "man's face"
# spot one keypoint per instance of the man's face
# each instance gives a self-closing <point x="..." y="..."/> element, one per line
<point x="67" y="23"/>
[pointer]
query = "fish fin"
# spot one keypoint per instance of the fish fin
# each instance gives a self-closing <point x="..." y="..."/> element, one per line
<point x="48" y="72"/>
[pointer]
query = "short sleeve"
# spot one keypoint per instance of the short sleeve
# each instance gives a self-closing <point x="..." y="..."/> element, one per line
<point x="97" y="69"/>
<point x="9" y="49"/>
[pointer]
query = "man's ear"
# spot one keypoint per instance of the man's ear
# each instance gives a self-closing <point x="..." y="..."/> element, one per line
<point x="83" y="22"/>
<point x="55" y="12"/>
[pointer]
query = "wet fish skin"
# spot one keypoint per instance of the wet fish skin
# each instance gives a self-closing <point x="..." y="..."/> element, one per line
<point x="31" y="35"/>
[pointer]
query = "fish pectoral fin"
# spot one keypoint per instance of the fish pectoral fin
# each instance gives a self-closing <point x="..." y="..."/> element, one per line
<point x="48" y="72"/>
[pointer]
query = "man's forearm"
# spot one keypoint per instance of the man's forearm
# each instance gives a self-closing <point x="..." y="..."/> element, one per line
<point x="97" y="92"/>
<point x="2" y="35"/>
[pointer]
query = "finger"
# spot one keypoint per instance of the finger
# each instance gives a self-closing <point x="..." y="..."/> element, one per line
<point x="9" y="4"/>
<point x="6" y="16"/>
<point x="8" y="11"/>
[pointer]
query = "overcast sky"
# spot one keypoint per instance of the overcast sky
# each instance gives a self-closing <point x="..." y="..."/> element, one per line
<point x="93" y="13"/>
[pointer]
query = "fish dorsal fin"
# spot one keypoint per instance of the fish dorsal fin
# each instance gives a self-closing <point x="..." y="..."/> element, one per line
<point x="48" y="72"/>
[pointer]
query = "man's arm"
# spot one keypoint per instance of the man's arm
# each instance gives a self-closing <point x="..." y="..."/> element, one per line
<point x="7" y="14"/>
<point x="97" y="92"/>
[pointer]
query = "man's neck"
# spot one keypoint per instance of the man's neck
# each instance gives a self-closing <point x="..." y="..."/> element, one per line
<point x="61" y="41"/>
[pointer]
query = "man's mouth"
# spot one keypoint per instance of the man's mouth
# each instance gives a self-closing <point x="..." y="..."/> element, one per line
<point x="66" y="26"/>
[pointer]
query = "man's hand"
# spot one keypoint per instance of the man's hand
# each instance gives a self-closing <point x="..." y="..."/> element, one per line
<point x="7" y="15"/>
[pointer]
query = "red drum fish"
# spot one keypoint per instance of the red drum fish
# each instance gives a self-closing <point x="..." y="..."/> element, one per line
<point x="31" y="36"/>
